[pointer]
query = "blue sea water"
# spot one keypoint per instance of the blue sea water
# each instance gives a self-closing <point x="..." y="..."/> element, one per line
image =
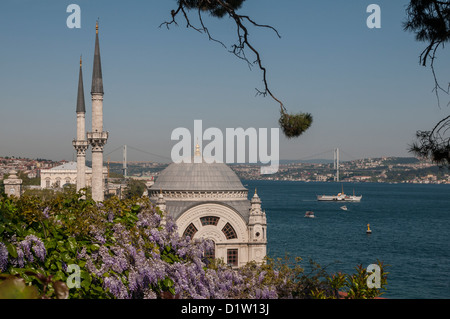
<point x="410" y="226"/>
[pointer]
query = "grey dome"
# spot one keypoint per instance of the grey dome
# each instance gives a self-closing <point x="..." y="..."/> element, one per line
<point x="198" y="177"/>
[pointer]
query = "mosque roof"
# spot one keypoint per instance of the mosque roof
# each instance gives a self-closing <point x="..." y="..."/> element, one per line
<point x="67" y="166"/>
<point x="201" y="177"/>
<point x="198" y="177"/>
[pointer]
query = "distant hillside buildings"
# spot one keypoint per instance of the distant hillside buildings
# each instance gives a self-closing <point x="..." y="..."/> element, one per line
<point x="366" y="170"/>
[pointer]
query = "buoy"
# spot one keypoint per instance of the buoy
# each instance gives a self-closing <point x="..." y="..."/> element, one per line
<point x="368" y="231"/>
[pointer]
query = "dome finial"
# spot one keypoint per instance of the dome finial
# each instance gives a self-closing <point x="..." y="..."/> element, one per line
<point x="96" y="26"/>
<point x="255" y="201"/>
<point x="197" y="149"/>
<point x="81" y="60"/>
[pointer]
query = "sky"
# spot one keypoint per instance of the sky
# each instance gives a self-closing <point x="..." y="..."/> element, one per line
<point x="364" y="87"/>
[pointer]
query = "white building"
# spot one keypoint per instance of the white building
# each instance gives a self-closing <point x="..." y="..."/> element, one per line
<point x="66" y="174"/>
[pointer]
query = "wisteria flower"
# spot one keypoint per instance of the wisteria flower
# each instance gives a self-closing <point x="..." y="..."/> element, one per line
<point x="3" y="257"/>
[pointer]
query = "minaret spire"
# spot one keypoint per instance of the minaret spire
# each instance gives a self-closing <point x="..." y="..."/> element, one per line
<point x="97" y="137"/>
<point x="80" y="98"/>
<point x="97" y="79"/>
<point x="80" y="143"/>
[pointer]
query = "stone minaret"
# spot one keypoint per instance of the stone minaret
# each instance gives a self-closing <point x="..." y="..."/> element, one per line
<point x="257" y="227"/>
<point x="80" y="143"/>
<point x="97" y="138"/>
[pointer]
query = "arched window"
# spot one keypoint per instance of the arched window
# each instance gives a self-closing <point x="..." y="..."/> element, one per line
<point x="47" y="183"/>
<point x="209" y="220"/>
<point x="190" y="231"/>
<point x="229" y="231"/>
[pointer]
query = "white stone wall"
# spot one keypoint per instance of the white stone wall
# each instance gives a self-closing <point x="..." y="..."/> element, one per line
<point x="97" y="112"/>
<point x="50" y="178"/>
<point x="97" y="180"/>
<point x="81" y="126"/>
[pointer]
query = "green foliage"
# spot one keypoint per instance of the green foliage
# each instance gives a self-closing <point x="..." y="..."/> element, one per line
<point x="64" y="236"/>
<point x="294" y="125"/>
<point x="354" y="286"/>
<point x="135" y="188"/>
<point x="15" y="287"/>
<point x="113" y="174"/>
<point x="213" y="7"/>
<point x="64" y="225"/>
<point x="43" y="194"/>
<point x="28" y="181"/>
<point x="429" y="20"/>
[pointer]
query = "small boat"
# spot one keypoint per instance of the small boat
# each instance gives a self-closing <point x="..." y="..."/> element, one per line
<point x="368" y="231"/>
<point x="309" y="214"/>
<point x="344" y="207"/>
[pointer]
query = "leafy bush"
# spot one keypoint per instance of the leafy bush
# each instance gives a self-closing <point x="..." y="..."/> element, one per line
<point x="129" y="249"/>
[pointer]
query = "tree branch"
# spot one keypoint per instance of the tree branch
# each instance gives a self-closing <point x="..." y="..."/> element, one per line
<point x="293" y="125"/>
<point x="238" y="49"/>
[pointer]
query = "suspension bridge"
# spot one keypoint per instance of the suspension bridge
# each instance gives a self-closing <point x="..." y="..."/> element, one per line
<point x="153" y="157"/>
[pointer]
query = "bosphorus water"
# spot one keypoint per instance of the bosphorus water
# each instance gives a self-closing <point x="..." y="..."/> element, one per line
<point x="410" y="226"/>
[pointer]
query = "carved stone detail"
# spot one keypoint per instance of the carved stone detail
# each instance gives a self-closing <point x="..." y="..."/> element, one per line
<point x="200" y="196"/>
<point x="97" y="140"/>
<point x="80" y="146"/>
<point x="97" y="97"/>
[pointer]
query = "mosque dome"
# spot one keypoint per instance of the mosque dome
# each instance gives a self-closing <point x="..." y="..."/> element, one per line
<point x="185" y="185"/>
<point x="198" y="177"/>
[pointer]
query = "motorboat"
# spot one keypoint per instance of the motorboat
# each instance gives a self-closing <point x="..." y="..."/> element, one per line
<point x="310" y="214"/>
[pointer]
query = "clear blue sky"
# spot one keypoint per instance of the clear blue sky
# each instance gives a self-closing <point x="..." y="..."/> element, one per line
<point x="364" y="87"/>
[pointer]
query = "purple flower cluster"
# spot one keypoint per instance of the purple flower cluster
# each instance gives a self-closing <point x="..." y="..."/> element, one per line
<point x="24" y="249"/>
<point x="135" y="252"/>
<point x="138" y="259"/>
<point x="3" y="257"/>
<point x="115" y="285"/>
<point x="46" y="211"/>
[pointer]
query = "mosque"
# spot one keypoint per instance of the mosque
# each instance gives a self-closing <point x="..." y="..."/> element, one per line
<point x="206" y="200"/>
